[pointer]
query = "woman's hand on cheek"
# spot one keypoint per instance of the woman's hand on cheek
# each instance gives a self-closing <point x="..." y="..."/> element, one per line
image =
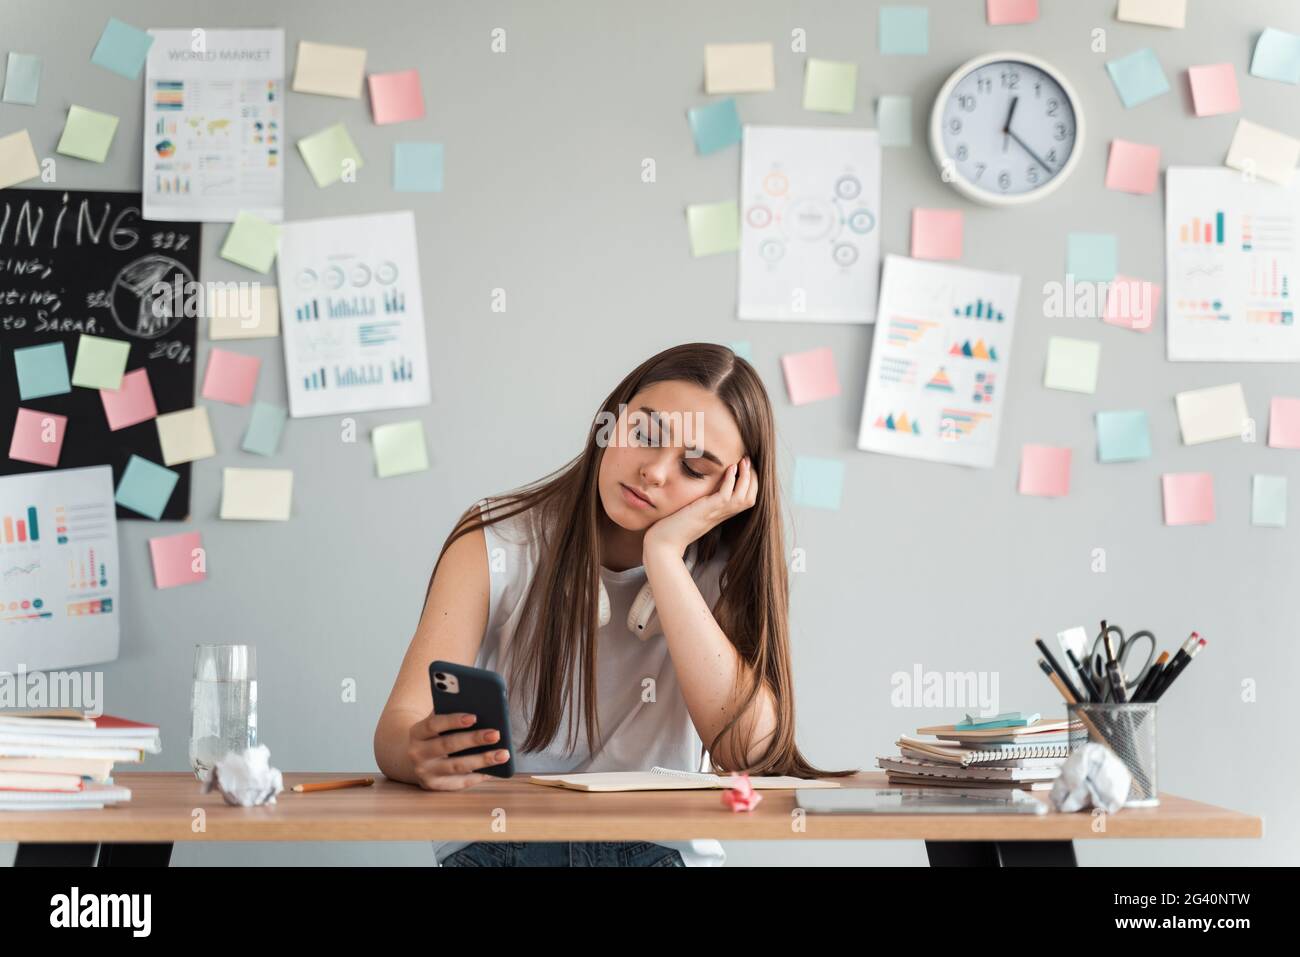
<point x="737" y="491"/>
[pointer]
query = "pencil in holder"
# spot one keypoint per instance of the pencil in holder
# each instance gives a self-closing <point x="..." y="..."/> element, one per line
<point x="1129" y="731"/>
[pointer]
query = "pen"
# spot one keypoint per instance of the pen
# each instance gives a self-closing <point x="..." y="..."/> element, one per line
<point x="332" y="785"/>
<point x="1148" y="682"/>
<point x="1088" y="686"/>
<point x="1074" y="692"/>
<point x="1172" y="667"/>
<point x="1069" y="698"/>
<point x="1171" y="678"/>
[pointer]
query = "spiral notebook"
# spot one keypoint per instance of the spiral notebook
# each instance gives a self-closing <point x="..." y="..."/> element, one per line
<point x="666" y="779"/>
<point x="1009" y="755"/>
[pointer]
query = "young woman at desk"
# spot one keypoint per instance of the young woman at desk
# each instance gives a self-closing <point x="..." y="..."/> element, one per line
<point x="518" y="589"/>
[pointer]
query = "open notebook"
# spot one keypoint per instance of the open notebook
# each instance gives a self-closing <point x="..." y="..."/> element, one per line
<point x="665" y="779"/>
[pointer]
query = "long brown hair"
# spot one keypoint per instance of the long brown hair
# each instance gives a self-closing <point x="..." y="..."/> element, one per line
<point x="556" y="638"/>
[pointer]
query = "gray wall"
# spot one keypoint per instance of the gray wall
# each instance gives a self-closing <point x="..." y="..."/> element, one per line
<point x="928" y="564"/>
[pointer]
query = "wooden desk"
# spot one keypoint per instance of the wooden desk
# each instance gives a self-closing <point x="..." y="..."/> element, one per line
<point x="161" y="812"/>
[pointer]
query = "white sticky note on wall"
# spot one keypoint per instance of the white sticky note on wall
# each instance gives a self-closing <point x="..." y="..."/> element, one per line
<point x="1263" y="152"/>
<point x="256" y="494"/>
<point x="244" y="312"/>
<point x="329" y="70"/>
<point x="1207" y="415"/>
<point x="1156" y="13"/>
<point x="738" y="68"/>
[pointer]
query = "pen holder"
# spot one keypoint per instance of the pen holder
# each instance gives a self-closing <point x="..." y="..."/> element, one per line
<point x="1128" y="730"/>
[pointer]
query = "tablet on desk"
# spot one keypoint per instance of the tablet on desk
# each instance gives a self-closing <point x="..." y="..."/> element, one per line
<point x="918" y="801"/>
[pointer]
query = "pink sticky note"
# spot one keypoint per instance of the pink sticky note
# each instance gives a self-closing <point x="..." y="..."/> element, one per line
<point x="1189" y="498"/>
<point x="38" y="437"/>
<point x="231" y="377"/>
<point x="1133" y="167"/>
<point x="1132" y="303"/>
<point x="1044" y="470"/>
<point x="175" y="560"/>
<point x="396" y="97"/>
<point x="810" y="376"/>
<point x="936" y="233"/>
<point x="130" y="404"/>
<point x="1284" y="423"/>
<point x="1214" y="89"/>
<point x="1003" y="13"/>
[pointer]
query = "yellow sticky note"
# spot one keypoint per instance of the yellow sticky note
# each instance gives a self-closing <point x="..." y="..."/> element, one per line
<point x="244" y="312"/>
<point x="738" y="68"/>
<point x="714" y="227"/>
<point x="329" y="70"/>
<point x="263" y="495"/>
<point x="17" y="159"/>
<point x="87" y="134"/>
<point x="251" y="241"/>
<point x="329" y="153"/>
<point x="185" y="436"/>
<point x="100" y="362"/>
<point x="399" y="448"/>
<point x="830" y="86"/>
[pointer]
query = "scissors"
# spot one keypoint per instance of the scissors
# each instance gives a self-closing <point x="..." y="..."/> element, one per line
<point x="1121" y="648"/>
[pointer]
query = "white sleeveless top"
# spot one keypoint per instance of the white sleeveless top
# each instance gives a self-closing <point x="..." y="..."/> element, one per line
<point x="636" y="735"/>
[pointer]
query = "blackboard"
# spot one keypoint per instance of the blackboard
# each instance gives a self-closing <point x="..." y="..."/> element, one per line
<point x="74" y="262"/>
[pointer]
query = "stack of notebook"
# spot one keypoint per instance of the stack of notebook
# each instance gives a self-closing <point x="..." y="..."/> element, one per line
<point x="1007" y="751"/>
<point x="57" y="760"/>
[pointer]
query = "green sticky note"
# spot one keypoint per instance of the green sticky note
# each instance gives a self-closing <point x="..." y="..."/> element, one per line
<point x="252" y="242"/>
<point x="265" y="426"/>
<point x="830" y="86"/>
<point x="894" y="120"/>
<point x="42" y="370"/>
<point x="818" y="483"/>
<point x="1123" y="436"/>
<point x="1092" y="257"/>
<point x="905" y="31"/>
<point x="100" y="362"/>
<point x="714" y="227"/>
<point x="122" y="48"/>
<point x="417" y="167"/>
<point x="87" y="134"/>
<point x="22" y="79"/>
<point x="1277" y="56"/>
<point x="1072" y="364"/>
<point x="399" y="448"/>
<point x="1268" y="501"/>
<point x="329" y="153"/>
<point x="145" y="487"/>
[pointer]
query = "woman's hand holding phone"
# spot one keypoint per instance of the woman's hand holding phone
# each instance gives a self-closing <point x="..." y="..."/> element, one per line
<point x="430" y="744"/>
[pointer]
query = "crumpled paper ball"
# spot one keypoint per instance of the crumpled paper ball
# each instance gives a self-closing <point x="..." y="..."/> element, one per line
<point x="246" y="778"/>
<point x="1093" y="776"/>
<point x="740" y="794"/>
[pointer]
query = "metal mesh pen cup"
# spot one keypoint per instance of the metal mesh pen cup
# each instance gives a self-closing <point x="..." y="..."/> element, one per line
<point x="1129" y="730"/>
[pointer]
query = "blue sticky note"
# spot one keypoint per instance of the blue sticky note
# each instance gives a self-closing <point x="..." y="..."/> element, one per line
<point x="122" y="48"/>
<point x="1268" y="501"/>
<point x="417" y="167"/>
<point x="1092" y="257"/>
<point x="1137" y="77"/>
<point x="715" y="126"/>
<point x="22" y="79"/>
<point x="818" y="483"/>
<point x="905" y="30"/>
<point x="145" y="487"/>
<point x="894" y="120"/>
<point x="42" y="370"/>
<point x="265" y="425"/>
<point x="1123" y="436"/>
<point x="1277" y="56"/>
<point x="742" y="349"/>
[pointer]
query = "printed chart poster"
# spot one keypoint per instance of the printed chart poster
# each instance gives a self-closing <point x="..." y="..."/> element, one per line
<point x="352" y="315"/>
<point x="810" y="215"/>
<point x="58" y="569"/>
<point x="214" y="125"/>
<point x="1232" y="264"/>
<point x="74" y="262"/>
<point x="939" y="362"/>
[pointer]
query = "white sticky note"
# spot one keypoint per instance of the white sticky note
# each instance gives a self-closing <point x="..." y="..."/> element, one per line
<point x="738" y="68"/>
<point x="1207" y="415"/>
<point x="329" y="70"/>
<point x="185" y="435"/>
<point x="239" y="313"/>
<point x="260" y="495"/>
<point x="1266" y="153"/>
<point x="17" y="159"/>
<point x="1156" y="13"/>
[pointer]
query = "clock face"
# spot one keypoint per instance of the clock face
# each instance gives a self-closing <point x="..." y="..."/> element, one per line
<point x="1009" y="128"/>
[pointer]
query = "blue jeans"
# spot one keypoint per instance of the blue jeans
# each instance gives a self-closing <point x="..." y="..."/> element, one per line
<point x="565" y="854"/>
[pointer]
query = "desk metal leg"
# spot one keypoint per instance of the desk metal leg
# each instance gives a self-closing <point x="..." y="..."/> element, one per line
<point x="56" y="855"/>
<point x="1001" y="853"/>
<point x="135" y="855"/>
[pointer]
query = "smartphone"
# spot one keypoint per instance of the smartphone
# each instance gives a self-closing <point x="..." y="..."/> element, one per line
<point x="482" y="693"/>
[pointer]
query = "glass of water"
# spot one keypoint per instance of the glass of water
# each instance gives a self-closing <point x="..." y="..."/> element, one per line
<point x="224" y="706"/>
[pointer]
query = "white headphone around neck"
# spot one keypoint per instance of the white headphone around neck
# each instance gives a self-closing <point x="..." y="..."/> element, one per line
<point x="643" y="606"/>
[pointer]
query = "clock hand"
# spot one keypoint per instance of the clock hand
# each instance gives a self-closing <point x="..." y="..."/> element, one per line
<point x="1006" y="126"/>
<point x="1025" y="147"/>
